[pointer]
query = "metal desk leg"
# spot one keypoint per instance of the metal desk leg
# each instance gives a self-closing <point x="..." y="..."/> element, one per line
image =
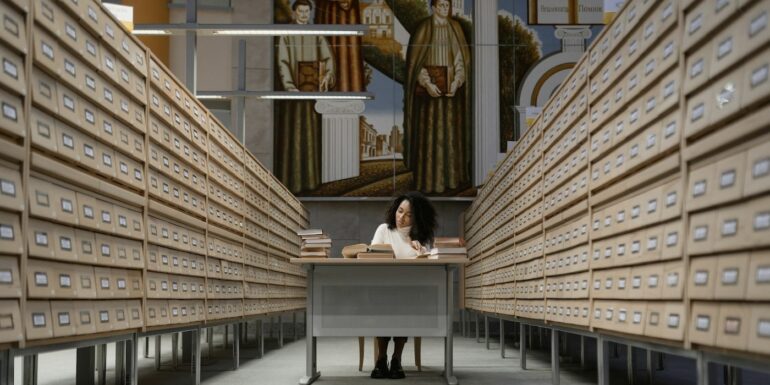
<point x="294" y="326"/>
<point x="529" y="336"/>
<point x="555" y="357"/>
<point x="502" y="338"/>
<point x="630" y="364"/>
<point x="236" y="345"/>
<point x="244" y="332"/>
<point x="261" y="338"/>
<point x="210" y="341"/>
<point x="486" y="331"/>
<point x="132" y="358"/>
<point x="101" y="362"/>
<point x="227" y="336"/>
<point x="539" y="338"/>
<point x="146" y="347"/>
<point x="660" y="360"/>
<point x="311" y="371"/>
<point x="523" y="346"/>
<point x="280" y="331"/>
<point x="175" y="349"/>
<point x="120" y="363"/>
<point x="602" y="361"/>
<point x="30" y="370"/>
<point x="583" y="352"/>
<point x="84" y="367"/>
<point x="477" y="326"/>
<point x="270" y="330"/>
<point x="157" y="352"/>
<point x="649" y="366"/>
<point x="702" y="369"/>
<point x="197" y="355"/>
<point x="449" y="342"/>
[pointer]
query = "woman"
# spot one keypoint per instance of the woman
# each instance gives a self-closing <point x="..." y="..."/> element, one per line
<point x="409" y="225"/>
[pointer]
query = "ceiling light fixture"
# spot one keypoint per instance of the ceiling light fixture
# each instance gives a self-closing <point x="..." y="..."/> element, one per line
<point x="251" y="29"/>
<point x="286" y="95"/>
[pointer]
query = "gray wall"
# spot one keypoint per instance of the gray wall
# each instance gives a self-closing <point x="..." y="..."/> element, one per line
<point x="349" y="222"/>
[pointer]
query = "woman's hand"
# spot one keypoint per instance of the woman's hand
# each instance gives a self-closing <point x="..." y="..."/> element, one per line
<point x="416" y="246"/>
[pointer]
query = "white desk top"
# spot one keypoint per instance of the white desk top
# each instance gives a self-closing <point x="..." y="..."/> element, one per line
<point x="388" y="261"/>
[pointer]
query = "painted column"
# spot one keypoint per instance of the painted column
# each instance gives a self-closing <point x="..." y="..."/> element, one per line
<point x="339" y="138"/>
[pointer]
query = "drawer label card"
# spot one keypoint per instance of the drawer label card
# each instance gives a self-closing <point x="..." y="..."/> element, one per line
<point x="725" y="47"/>
<point x="701" y="233"/>
<point x="652" y="205"/>
<point x="763" y="274"/>
<point x="759" y="75"/>
<point x="104" y="316"/>
<point x="652" y="243"/>
<point x="762" y="221"/>
<point x="41" y="238"/>
<point x="65" y="280"/>
<point x="652" y="281"/>
<point x="105" y="283"/>
<point x="66" y="205"/>
<point x="8" y="187"/>
<point x="637" y="317"/>
<point x="730" y="276"/>
<point x="702" y="322"/>
<point x="9" y="111"/>
<point x="697" y="112"/>
<point x="732" y="325"/>
<point x="673" y="321"/>
<point x="729" y="227"/>
<point x="65" y="243"/>
<point x="672" y="280"/>
<point x="763" y="329"/>
<point x="41" y="279"/>
<point x="672" y="239"/>
<point x="10" y="68"/>
<point x="701" y="277"/>
<point x="699" y="188"/>
<point x="761" y="168"/>
<point x="64" y="319"/>
<point x="758" y="24"/>
<point x="6" y="277"/>
<point x="38" y="319"/>
<point x="671" y="199"/>
<point x="696" y="68"/>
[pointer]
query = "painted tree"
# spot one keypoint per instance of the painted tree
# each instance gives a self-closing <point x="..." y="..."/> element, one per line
<point x="519" y="50"/>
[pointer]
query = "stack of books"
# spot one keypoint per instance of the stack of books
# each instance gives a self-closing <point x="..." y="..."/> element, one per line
<point x="378" y="251"/>
<point x="448" y="248"/>
<point x="315" y="244"/>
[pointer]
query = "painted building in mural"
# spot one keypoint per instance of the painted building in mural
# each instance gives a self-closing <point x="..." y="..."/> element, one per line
<point x="540" y="43"/>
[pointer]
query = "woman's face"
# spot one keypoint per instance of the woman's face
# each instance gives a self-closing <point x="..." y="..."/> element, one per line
<point x="404" y="214"/>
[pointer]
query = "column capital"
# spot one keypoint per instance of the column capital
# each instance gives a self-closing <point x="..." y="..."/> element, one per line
<point x="343" y="107"/>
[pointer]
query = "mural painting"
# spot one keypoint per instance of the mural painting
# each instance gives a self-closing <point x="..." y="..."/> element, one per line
<point x="416" y="134"/>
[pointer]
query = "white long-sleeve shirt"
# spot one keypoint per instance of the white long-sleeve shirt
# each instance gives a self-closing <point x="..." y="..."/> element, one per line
<point x="398" y="238"/>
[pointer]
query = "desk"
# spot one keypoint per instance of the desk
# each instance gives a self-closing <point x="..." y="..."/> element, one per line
<point x="370" y="298"/>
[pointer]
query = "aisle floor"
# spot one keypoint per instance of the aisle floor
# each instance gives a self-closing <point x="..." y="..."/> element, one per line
<point x="338" y="363"/>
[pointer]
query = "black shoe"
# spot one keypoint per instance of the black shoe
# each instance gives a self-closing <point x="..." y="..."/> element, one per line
<point x="381" y="369"/>
<point x="396" y="371"/>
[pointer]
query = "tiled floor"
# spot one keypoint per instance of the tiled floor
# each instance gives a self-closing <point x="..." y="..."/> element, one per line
<point x="338" y="363"/>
